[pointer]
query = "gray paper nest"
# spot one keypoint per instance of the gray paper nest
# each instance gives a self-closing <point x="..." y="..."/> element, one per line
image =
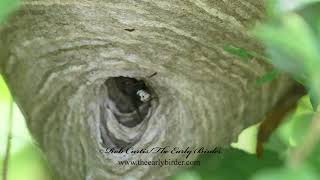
<point x="57" y="57"/>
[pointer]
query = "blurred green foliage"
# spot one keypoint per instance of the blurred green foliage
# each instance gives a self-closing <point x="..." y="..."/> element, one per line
<point x="232" y="164"/>
<point x="26" y="161"/>
<point x="292" y="41"/>
<point x="6" y="7"/>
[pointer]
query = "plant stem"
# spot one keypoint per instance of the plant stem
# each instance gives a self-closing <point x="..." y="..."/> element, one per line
<point x="8" y="148"/>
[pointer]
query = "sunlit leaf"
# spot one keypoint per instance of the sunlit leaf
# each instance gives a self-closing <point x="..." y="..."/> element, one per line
<point x="247" y="140"/>
<point x="304" y="106"/>
<point x="28" y="164"/>
<point x="4" y="91"/>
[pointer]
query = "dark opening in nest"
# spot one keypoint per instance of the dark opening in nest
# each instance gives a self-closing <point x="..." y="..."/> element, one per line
<point x="131" y="99"/>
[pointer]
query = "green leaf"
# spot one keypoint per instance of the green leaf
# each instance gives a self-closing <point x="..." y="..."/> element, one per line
<point x="276" y="144"/>
<point x="292" y="45"/>
<point x="232" y="164"/>
<point x="6" y="7"/>
<point x="314" y="158"/>
<point x="242" y="53"/>
<point x="310" y="12"/>
<point x="305" y="173"/>
<point x="300" y="127"/>
<point x="4" y="91"/>
<point x="268" y="77"/>
<point x="314" y="98"/>
<point x="272" y="8"/>
<point x="287" y="135"/>
<point x="247" y="139"/>
<point x="304" y="106"/>
<point x="28" y="164"/>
